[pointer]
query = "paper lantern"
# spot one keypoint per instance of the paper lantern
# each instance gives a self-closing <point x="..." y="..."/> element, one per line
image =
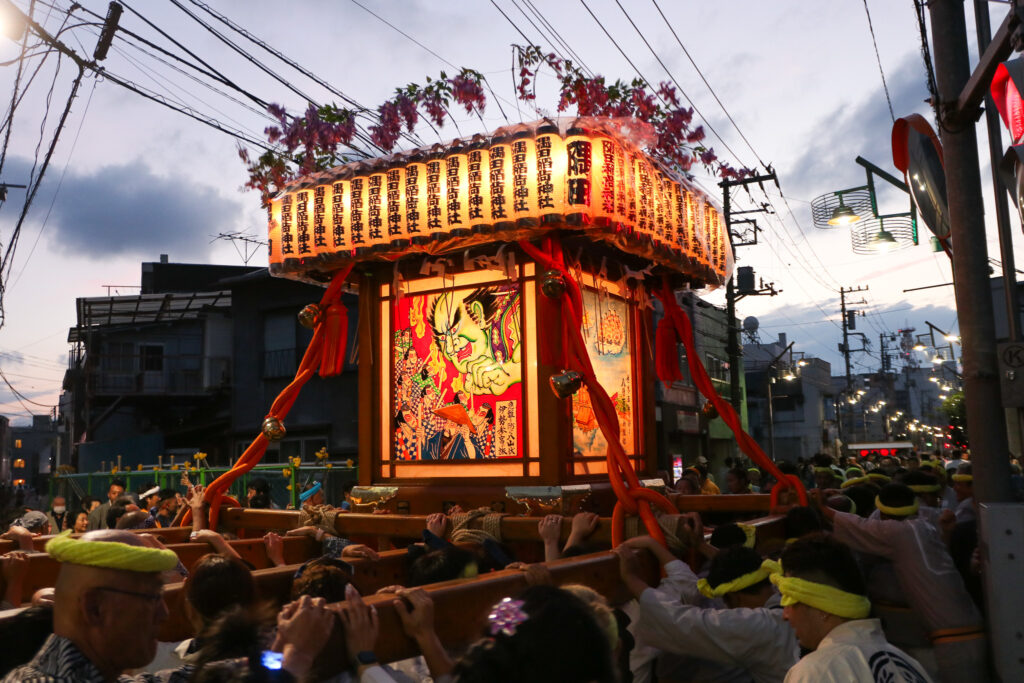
<point x="456" y="170"/>
<point x="524" y="175"/>
<point x="478" y="186"/>
<point x="551" y="167"/>
<point x="500" y="167"/>
<point x="437" y="186"/>
<point x="357" y="216"/>
<point x="394" y="198"/>
<point x="19" y="463"/>
<point x="321" y="206"/>
<point x="603" y="158"/>
<point x="376" y="238"/>
<point x="340" y="218"/>
<point x="578" y="176"/>
<point x="303" y="223"/>
<point x="416" y="199"/>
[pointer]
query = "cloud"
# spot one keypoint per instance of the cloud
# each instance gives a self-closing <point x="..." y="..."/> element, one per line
<point x="125" y="210"/>
<point x="858" y="128"/>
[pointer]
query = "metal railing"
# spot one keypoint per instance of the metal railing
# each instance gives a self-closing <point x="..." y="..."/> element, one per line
<point x="285" y="480"/>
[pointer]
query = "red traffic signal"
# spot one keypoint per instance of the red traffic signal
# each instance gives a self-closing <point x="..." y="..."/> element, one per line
<point x="1007" y="86"/>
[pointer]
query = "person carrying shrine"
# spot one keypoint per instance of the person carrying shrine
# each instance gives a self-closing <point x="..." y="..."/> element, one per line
<point x="932" y="585"/>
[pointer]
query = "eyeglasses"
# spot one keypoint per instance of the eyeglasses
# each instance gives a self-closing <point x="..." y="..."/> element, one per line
<point x="152" y="598"/>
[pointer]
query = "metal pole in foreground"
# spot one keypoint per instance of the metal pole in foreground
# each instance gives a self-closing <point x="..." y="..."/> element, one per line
<point x="985" y="423"/>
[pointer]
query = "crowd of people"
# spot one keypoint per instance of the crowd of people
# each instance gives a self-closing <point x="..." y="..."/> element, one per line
<point x="897" y="535"/>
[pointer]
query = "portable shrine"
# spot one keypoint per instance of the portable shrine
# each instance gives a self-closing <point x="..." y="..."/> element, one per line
<point x="507" y="346"/>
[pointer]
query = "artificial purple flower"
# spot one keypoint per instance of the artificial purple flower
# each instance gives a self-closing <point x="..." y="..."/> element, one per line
<point x="506" y="616"/>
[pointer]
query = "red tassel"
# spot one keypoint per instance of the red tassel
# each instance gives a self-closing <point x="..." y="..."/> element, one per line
<point x="335" y="322"/>
<point x="666" y="353"/>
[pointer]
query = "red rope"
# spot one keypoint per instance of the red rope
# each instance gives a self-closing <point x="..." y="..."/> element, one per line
<point x="632" y="498"/>
<point x="329" y="340"/>
<point x="680" y="324"/>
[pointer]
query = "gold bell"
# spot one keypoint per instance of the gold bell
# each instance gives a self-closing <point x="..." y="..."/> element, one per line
<point x="273" y="428"/>
<point x="553" y="284"/>
<point x="709" y="410"/>
<point x="566" y="383"/>
<point x="309" y="315"/>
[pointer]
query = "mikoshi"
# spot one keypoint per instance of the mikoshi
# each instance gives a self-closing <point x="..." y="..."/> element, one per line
<point x="486" y="268"/>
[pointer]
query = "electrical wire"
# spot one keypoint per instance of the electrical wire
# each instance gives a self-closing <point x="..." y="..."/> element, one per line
<point x="878" y="58"/>
<point x="707" y="122"/>
<point x="559" y="37"/>
<point x="21" y="397"/>
<point x="360" y="109"/>
<point x="9" y="121"/>
<point x="387" y="23"/>
<point x="56" y="192"/>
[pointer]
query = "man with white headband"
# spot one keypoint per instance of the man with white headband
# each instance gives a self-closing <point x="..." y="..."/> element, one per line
<point x="825" y="601"/>
<point x="930" y="581"/>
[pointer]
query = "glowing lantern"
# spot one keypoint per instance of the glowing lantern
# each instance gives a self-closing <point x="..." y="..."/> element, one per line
<point x="456" y="171"/>
<point x="551" y="166"/>
<point x="436" y="194"/>
<point x="478" y="186"/>
<point x="524" y="183"/>
<point x="398" y="237"/>
<point x="340" y="218"/>
<point x="303" y="229"/>
<point x="500" y="165"/>
<point x="416" y="199"/>
<point x="19" y="463"/>
<point x="581" y="175"/>
<point x="603" y="159"/>
<point x="376" y="239"/>
<point x="357" y="216"/>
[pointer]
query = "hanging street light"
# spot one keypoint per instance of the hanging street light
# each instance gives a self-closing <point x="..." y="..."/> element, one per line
<point x="843" y="215"/>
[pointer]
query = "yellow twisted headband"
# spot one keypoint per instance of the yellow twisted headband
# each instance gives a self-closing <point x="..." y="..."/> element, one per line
<point x="750" y="534"/>
<point x="820" y="596"/>
<point x="925" y="488"/>
<point x="824" y="470"/>
<point x="963" y="477"/>
<point x="110" y="555"/>
<point x="904" y="511"/>
<point x="767" y="568"/>
<point x="855" y="482"/>
<point x="878" y="476"/>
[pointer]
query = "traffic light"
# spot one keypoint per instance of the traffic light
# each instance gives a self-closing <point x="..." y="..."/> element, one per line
<point x="1007" y="86"/>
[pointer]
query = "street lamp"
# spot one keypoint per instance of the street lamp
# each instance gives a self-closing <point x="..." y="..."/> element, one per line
<point x="871" y="231"/>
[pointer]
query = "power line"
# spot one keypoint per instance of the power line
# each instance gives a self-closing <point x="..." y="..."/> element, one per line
<point x="681" y="91"/>
<point x="22" y="397"/>
<point x="558" y="36"/>
<point x="387" y="23"/>
<point x="878" y="59"/>
<point x="710" y="89"/>
<point x="56" y="192"/>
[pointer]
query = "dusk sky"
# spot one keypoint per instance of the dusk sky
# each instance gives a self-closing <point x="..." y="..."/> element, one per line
<point x="131" y="180"/>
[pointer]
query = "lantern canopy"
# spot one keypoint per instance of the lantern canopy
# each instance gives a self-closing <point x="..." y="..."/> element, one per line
<point x="588" y="175"/>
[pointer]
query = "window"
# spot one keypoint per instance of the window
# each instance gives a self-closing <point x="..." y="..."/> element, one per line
<point x="119" y="357"/>
<point x="279" y="356"/>
<point x="151" y="358"/>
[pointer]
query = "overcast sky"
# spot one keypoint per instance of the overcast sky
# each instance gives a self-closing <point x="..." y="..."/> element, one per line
<point x="130" y="180"/>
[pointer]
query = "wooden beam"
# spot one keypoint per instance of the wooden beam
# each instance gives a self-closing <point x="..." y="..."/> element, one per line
<point x="178" y="534"/>
<point x="968" y="104"/>
<point x="43" y="569"/>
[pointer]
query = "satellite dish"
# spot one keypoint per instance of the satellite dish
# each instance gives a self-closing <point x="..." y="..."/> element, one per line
<point x="750" y="324"/>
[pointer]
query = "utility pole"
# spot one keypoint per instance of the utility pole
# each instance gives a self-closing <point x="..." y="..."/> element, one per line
<point x="849" y="323"/>
<point x="985" y="414"/>
<point x="732" y="333"/>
